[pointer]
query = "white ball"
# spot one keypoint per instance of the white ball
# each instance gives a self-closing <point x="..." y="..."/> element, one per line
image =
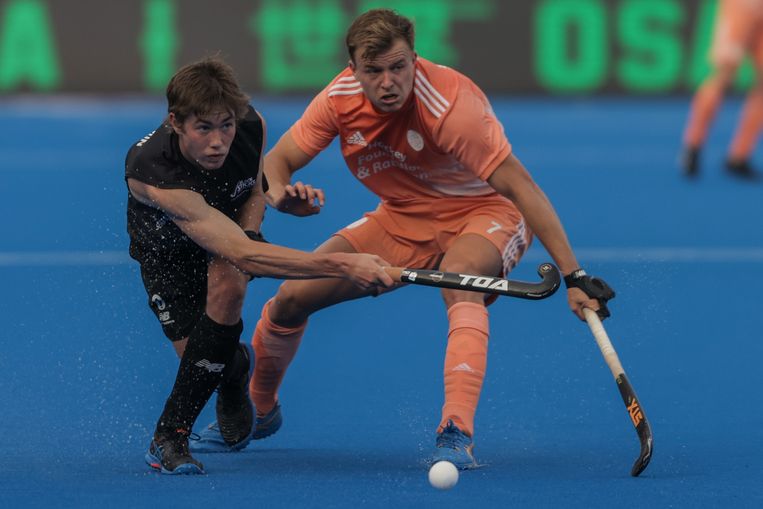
<point x="443" y="475"/>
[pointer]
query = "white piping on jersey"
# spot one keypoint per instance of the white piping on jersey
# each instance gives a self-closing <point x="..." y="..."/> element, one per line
<point x="351" y="86"/>
<point x="344" y="85"/>
<point x="429" y="87"/>
<point x="346" y="92"/>
<point x="434" y="107"/>
<point x="432" y="99"/>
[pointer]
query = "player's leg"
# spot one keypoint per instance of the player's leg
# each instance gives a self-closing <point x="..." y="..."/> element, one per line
<point x="726" y="55"/>
<point x="212" y="344"/>
<point x="751" y="119"/>
<point x="176" y="292"/>
<point x="232" y="429"/>
<point x="491" y="244"/>
<point x="466" y="352"/>
<point x="279" y="332"/>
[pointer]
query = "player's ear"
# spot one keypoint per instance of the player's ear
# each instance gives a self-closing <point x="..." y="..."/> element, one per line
<point x="351" y="64"/>
<point x="175" y="124"/>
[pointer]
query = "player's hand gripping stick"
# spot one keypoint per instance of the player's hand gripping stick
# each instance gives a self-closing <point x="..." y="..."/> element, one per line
<point x="485" y="284"/>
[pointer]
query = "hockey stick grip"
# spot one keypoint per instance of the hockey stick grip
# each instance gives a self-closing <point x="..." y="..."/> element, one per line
<point x="548" y="285"/>
<point x="602" y="339"/>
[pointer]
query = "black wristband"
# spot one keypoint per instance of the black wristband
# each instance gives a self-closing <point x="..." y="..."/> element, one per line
<point x="571" y="278"/>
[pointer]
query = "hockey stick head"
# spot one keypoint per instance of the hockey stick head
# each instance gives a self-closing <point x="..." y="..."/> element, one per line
<point x="550" y="280"/>
<point x="646" y="452"/>
<point x="640" y="422"/>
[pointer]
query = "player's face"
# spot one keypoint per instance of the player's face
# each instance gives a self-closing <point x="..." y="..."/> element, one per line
<point x="387" y="79"/>
<point x="206" y="140"/>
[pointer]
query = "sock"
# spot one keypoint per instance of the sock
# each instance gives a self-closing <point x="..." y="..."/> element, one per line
<point x="274" y="349"/>
<point x="210" y="347"/>
<point x="465" y="364"/>
<point x="704" y="106"/>
<point x="749" y="127"/>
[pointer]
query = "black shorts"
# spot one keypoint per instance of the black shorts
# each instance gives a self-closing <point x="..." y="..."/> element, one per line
<point x="177" y="290"/>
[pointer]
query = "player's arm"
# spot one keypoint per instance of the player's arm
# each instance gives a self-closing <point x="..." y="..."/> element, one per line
<point x="220" y="236"/>
<point x="285" y="159"/>
<point x="512" y="180"/>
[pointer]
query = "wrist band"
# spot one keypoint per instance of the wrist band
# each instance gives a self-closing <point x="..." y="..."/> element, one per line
<point x="571" y="278"/>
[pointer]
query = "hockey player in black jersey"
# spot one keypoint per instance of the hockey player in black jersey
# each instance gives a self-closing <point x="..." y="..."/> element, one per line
<point x="194" y="216"/>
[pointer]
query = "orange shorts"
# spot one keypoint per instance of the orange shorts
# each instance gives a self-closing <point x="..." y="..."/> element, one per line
<point x="416" y="234"/>
<point x="738" y="31"/>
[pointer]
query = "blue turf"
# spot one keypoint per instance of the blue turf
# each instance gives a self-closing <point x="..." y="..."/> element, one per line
<point x="85" y="369"/>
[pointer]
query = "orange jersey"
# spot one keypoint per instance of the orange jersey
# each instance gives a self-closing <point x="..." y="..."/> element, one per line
<point x="445" y="141"/>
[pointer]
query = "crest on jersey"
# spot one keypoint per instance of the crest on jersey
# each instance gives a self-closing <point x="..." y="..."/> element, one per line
<point x="415" y="140"/>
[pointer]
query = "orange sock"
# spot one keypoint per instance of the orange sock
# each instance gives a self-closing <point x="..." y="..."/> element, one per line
<point x="274" y="349"/>
<point x="465" y="364"/>
<point x="704" y="106"/>
<point x="748" y="129"/>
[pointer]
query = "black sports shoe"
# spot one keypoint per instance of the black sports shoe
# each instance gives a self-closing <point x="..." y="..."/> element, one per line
<point x="688" y="160"/>
<point x="741" y="169"/>
<point x="235" y="413"/>
<point x="168" y="453"/>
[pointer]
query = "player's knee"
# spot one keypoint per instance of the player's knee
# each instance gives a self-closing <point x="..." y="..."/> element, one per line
<point x="461" y="266"/>
<point x="225" y="296"/>
<point x="288" y="307"/>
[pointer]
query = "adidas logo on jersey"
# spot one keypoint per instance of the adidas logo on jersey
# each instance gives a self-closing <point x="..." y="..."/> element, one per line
<point x="357" y="139"/>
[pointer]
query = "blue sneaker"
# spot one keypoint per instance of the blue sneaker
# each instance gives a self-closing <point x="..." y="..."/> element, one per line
<point x="211" y="440"/>
<point x="455" y="446"/>
<point x="268" y="424"/>
<point x="169" y="454"/>
<point x="232" y="431"/>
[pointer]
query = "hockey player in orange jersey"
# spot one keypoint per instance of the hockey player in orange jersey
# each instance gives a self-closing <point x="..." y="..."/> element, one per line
<point x="453" y="196"/>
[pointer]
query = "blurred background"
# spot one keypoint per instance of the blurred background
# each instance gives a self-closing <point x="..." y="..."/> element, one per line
<point x="593" y="95"/>
<point x="539" y="47"/>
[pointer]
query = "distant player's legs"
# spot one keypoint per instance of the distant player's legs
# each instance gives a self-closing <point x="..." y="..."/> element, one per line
<point x="751" y="119"/>
<point x="728" y="48"/>
<point x="280" y="328"/>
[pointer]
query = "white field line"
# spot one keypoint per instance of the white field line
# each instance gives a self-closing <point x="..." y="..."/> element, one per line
<point x="584" y="255"/>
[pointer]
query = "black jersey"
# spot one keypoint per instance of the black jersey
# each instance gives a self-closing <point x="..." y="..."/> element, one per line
<point x="156" y="160"/>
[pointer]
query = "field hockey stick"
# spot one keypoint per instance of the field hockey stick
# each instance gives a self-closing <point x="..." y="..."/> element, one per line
<point x="485" y="284"/>
<point x="635" y="410"/>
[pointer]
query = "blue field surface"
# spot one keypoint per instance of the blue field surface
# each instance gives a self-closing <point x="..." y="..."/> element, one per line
<point x="86" y="369"/>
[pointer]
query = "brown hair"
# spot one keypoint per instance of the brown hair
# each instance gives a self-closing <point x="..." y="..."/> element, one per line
<point x="376" y="31"/>
<point x="204" y="87"/>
